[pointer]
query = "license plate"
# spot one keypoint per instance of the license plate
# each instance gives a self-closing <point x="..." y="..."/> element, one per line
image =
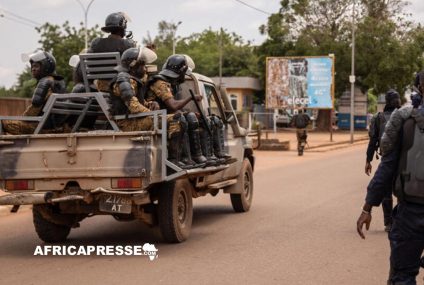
<point x="115" y="204"/>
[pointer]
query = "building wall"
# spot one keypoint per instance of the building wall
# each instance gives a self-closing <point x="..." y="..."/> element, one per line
<point x="242" y="96"/>
<point x="13" y="106"/>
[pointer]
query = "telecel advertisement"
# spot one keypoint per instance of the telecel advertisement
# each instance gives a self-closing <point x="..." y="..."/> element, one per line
<point x="299" y="82"/>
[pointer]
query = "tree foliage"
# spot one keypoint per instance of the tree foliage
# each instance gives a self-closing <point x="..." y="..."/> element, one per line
<point x="388" y="46"/>
<point x="238" y="58"/>
<point x="63" y="42"/>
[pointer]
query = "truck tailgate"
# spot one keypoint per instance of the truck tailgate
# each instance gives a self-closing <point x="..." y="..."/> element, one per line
<point x="76" y="156"/>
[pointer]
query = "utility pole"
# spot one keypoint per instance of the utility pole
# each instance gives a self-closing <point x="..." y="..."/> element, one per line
<point x="220" y="57"/>
<point x="85" y="9"/>
<point x="352" y="79"/>
<point x="173" y="36"/>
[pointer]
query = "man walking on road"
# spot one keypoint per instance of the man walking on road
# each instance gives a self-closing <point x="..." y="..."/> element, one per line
<point x="402" y="146"/>
<point x="300" y="121"/>
<point x="378" y="123"/>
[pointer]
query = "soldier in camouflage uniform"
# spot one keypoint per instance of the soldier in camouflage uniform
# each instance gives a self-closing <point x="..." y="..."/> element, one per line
<point x="378" y="123"/>
<point x="128" y="98"/>
<point x="163" y="89"/>
<point x="116" y="25"/>
<point x="43" y="66"/>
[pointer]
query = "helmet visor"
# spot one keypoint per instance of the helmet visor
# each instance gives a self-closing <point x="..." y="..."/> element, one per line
<point x="34" y="57"/>
<point x="146" y="55"/>
<point x="190" y="62"/>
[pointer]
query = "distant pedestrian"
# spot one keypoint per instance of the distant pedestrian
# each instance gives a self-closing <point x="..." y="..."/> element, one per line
<point x="300" y="121"/>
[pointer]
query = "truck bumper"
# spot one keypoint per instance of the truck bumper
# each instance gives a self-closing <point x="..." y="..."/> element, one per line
<point x="35" y="198"/>
<point x="23" y="199"/>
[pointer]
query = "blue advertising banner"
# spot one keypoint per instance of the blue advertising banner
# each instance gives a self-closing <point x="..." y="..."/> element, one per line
<point x="299" y="82"/>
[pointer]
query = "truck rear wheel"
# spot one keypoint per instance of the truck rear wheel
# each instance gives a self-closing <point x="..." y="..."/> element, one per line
<point x="48" y="231"/>
<point x="242" y="202"/>
<point x="175" y="211"/>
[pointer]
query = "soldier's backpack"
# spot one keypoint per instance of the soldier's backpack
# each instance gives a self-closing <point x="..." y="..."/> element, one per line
<point x="409" y="184"/>
<point x="300" y="121"/>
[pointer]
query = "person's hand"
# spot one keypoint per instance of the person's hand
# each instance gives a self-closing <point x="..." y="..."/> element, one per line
<point x="198" y="98"/>
<point x="364" y="218"/>
<point x="153" y="105"/>
<point x="368" y="168"/>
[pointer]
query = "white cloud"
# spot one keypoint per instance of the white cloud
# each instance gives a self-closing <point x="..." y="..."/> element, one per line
<point x="53" y="3"/>
<point x="6" y="71"/>
<point x="7" y="76"/>
<point x="205" y="5"/>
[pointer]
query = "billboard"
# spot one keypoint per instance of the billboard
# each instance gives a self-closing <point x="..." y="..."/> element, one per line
<point x="300" y="82"/>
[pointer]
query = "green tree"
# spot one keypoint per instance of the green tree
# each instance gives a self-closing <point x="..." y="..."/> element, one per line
<point x="25" y="85"/>
<point x="388" y="45"/>
<point x="238" y="58"/>
<point x="63" y="42"/>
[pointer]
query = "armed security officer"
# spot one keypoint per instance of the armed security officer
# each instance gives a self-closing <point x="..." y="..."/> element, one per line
<point x="402" y="146"/>
<point x="116" y="25"/>
<point x="43" y="66"/>
<point x="378" y="122"/>
<point x="162" y="88"/>
<point x="128" y="98"/>
<point x="300" y="121"/>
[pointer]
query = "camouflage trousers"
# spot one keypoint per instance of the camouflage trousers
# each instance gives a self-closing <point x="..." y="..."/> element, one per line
<point x="12" y="127"/>
<point x="301" y="135"/>
<point x="146" y="124"/>
<point x="18" y="127"/>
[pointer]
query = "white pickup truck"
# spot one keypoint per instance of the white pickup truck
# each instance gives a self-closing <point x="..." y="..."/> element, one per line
<point x="70" y="176"/>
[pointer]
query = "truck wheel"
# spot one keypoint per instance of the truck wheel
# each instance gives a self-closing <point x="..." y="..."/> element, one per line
<point x="175" y="211"/>
<point x="242" y="202"/>
<point x="48" y="231"/>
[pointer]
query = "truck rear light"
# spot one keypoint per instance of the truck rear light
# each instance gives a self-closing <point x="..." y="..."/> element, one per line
<point x="12" y="185"/>
<point x="126" y="183"/>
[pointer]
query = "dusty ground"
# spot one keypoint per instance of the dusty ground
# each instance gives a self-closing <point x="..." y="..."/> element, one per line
<point x="300" y="230"/>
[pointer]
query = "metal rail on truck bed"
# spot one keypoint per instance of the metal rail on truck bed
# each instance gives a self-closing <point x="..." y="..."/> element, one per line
<point x="97" y="104"/>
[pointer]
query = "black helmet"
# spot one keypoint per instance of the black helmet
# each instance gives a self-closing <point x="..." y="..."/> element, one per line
<point x="175" y="66"/>
<point x="132" y="56"/>
<point x="115" y="22"/>
<point x="391" y="95"/>
<point x="46" y="60"/>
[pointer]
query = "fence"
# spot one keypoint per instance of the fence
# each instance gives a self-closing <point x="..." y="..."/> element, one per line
<point x="13" y="106"/>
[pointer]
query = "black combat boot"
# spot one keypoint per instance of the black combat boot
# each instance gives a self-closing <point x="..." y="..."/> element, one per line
<point x="186" y="155"/>
<point x="196" y="148"/>
<point x="218" y="144"/>
<point x="207" y="150"/>
<point x="174" y="151"/>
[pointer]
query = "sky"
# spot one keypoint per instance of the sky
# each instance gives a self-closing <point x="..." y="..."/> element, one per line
<point x="195" y="15"/>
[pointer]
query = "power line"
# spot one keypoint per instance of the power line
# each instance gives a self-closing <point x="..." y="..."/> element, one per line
<point x="250" y="6"/>
<point x="17" y="21"/>
<point x="21" y="17"/>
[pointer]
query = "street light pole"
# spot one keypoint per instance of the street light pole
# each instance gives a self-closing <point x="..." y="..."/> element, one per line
<point x="85" y="9"/>
<point x="352" y="79"/>
<point x="173" y="36"/>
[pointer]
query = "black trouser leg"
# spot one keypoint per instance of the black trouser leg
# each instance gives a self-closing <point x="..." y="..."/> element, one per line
<point x="194" y="135"/>
<point x="407" y="244"/>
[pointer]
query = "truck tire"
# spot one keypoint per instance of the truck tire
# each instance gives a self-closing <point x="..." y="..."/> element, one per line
<point x="242" y="202"/>
<point x="175" y="210"/>
<point x="48" y="231"/>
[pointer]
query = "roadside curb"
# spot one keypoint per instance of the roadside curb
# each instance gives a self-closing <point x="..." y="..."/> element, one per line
<point x="331" y="147"/>
<point x="338" y="143"/>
